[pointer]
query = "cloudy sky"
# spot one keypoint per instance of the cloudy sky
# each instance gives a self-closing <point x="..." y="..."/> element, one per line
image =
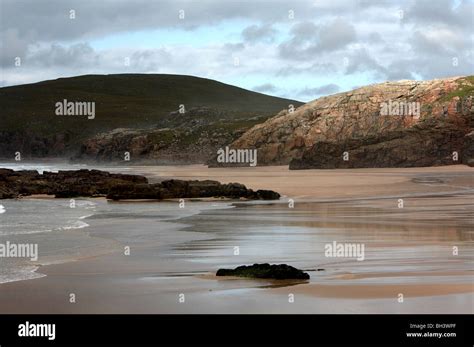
<point x="300" y="49"/>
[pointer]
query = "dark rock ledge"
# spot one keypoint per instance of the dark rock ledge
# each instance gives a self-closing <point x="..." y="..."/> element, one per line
<point x="278" y="272"/>
<point x="96" y="183"/>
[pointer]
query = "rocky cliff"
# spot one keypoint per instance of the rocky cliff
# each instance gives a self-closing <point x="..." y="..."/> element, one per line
<point x="187" y="138"/>
<point x="404" y="123"/>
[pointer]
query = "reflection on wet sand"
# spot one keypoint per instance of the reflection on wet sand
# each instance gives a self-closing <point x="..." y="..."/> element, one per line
<point x="421" y="247"/>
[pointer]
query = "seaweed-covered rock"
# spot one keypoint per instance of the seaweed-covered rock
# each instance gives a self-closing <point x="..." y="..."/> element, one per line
<point x="263" y="194"/>
<point x="93" y="183"/>
<point x="135" y="192"/>
<point x="279" y="272"/>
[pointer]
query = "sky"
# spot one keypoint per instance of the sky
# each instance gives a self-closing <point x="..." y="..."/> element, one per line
<point x="299" y="49"/>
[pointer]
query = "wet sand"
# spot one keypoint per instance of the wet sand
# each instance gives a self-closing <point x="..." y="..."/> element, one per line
<point x="408" y="250"/>
<point x="379" y="291"/>
<point x="327" y="184"/>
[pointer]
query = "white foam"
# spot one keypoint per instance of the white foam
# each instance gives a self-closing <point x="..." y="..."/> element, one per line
<point x="76" y="225"/>
<point x="21" y="273"/>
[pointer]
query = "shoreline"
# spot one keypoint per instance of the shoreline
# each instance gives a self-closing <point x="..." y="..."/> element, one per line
<point x="158" y="282"/>
<point x="41" y="269"/>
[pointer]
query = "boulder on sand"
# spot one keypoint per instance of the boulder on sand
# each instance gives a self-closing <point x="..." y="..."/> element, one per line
<point x="278" y="272"/>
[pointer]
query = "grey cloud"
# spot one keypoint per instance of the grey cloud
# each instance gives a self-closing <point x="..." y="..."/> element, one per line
<point x="150" y="60"/>
<point x="439" y="42"/>
<point x="322" y="90"/>
<point x="49" y="20"/>
<point x="82" y="57"/>
<point x="438" y="66"/>
<point x="12" y="46"/>
<point x="315" y="69"/>
<point x="434" y="52"/>
<point x="400" y="70"/>
<point x="309" y="40"/>
<point x="255" y="33"/>
<point x="441" y="12"/>
<point x="76" y="55"/>
<point x="422" y="45"/>
<point x="25" y="22"/>
<point x="375" y="38"/>
<point x="232" y="47"/>
<point x="303" y="31"/>
<point x="336" y="35"/>
<point x="360" y="60"/>
<point x="426" y="58"/>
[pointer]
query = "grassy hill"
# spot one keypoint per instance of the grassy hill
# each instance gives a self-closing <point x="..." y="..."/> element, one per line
<point x="121" y="101"/>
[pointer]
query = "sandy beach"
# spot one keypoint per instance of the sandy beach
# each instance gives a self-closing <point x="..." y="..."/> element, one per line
<point x="327" y="184"/>
<point x="409" y="250"/>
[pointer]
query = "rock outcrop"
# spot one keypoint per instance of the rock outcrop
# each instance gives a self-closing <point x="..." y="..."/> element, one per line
<point x="95" y="183"/>
<point x="278" y="272"/>
<point x="189" y="138"/>
<point x="468" y="149"/>
<point x="425" y="144"/>
<point x="172" y="189"/>
<point x="317" y="134"/>
<point x="33" y="145"/>
<point x="63" y="184"/>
